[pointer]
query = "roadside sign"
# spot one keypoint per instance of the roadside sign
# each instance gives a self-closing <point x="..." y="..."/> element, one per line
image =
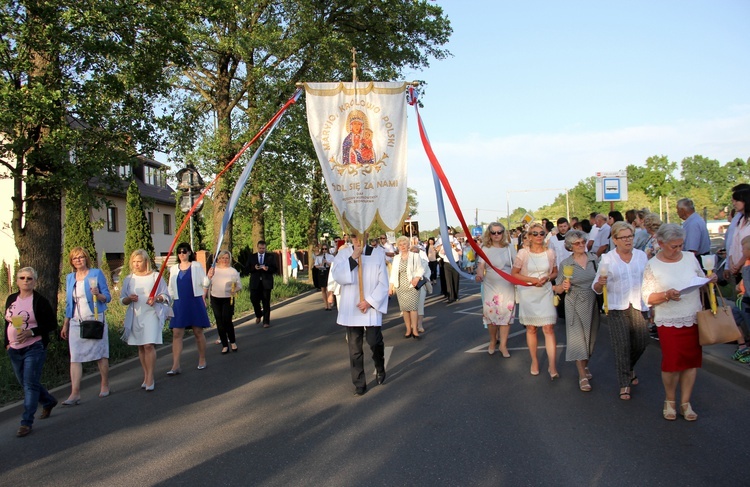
<point x="612" y="186"/>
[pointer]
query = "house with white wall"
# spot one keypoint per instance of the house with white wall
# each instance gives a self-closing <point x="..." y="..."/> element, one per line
<point x="158" y="197"/>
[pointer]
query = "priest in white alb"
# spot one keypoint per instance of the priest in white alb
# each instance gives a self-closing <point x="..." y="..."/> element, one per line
<point x="362" y="315"/>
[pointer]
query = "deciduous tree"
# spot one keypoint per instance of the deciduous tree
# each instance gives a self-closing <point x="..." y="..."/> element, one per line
<point x="79" y="81"/>
<point x="247" y="57"/>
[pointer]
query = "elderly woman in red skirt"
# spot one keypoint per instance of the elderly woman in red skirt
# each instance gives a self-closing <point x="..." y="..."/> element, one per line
<point x="675" y="317"/>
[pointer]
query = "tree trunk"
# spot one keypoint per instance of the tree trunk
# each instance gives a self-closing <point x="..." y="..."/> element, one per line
<point x="39" y="239"/>
<point x="223" y="189"/>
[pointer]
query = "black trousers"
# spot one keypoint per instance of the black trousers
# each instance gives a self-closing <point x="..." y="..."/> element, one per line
<point x="261" y="299"/>
<point x="374" y="337"/>
<point x="451" y="282"/>
<point x="443" y="288"/>
<point x="433" y="270"/>
<point x="223" y="312"/>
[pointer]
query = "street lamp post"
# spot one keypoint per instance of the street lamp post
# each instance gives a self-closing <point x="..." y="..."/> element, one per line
<point x="189" y="181"/>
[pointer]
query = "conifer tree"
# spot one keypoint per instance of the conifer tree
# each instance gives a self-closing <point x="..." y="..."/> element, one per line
<point x="13" y="285"/>
<point x="4" y="283"/>
<point x="137" y="229"/>
<point x="78" y="229"/>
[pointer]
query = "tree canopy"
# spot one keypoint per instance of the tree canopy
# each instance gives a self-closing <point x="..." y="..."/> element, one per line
<point x="79" y="86"/>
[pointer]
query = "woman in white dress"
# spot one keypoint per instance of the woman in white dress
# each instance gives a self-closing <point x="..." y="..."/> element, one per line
<point x="498" y="295"/>
<point x="145" y="316"/>
<point x="86" y="298"/>
<point x="535" y="264"/>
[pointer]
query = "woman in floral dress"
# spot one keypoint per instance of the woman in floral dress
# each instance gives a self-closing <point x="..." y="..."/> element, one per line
<point x="498" y="295"/>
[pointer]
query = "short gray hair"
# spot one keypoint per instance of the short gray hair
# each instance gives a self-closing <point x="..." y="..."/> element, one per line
<point x="29" y="270"/>
<point x="572" y="236"/>
<point x="669" y="232"/>
<point x="686" y="203"/>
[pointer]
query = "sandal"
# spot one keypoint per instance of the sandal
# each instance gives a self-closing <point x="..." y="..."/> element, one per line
<point x="669" y="412"/>
<point x="588" y="373"/>
<point x="633" y="379"/>
<point x="584" y="385"/>
<point x="687" y="412"/>
<point x="625" y="395"/>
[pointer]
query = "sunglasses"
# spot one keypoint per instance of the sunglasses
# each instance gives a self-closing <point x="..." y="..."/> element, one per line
<point x="325" y="249"/>
<point x="382" y="238"/>
<point x="25" y="278"/>
<point x="538" y="234"/>
<point x="497" y="233"/>
<point x="183" y="251"/>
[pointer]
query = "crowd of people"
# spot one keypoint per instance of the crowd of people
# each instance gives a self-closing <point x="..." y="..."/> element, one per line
<point x="633" y="268"/>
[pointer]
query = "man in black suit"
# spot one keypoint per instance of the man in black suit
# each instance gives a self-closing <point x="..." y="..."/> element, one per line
<point x="262" y="269"/>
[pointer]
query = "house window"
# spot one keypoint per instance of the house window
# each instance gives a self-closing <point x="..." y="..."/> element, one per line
<point x="167" y="224"/>
<point x="111" y="219"/>
<point x="150" y="216"/>
<point x="124" y="171"/>
<point x="154" y="176"/>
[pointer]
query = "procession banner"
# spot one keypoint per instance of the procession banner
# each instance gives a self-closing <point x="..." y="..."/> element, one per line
<point x="359" y="134"/>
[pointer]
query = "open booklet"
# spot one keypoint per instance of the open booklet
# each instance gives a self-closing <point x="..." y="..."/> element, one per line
<point x="694" y="283"/>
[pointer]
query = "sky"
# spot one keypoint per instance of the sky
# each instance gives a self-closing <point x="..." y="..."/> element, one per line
<point x="539" y="95"/>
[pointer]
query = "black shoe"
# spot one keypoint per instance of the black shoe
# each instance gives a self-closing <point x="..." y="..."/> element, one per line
<point x="381" y="377"/>
<point x="416" y="337"/>
<point x="360" y="391"/>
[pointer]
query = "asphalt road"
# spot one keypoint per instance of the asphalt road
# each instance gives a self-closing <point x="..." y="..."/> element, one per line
<point x="281" y="412"/>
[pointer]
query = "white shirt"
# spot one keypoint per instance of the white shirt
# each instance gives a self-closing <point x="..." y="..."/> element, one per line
<point x="624" y="280"/>
<point x="592" y="236"/>
<point x="602" y="238"/>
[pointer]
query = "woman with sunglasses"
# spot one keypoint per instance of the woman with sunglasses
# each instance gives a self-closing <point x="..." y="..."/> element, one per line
<point x="86" y="298"/>
<point x="188" y="288"/>
<point x="535" y="264"/>
<point x="621" y="271"/>
<point x="321" y="268"/>
<point x="498" y="295"/>
<point x="30" y="319"/>
<point x="581" y="308"/>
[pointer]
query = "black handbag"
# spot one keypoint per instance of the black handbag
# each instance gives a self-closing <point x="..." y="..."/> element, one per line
<point x="422" y="282"/>
<point x="90" y="329"/>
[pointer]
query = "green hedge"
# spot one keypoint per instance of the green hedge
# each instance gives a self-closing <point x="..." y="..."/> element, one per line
<point x="57" y="367"/>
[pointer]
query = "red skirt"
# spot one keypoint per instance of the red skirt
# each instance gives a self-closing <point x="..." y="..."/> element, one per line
<point x="680" y="348"/>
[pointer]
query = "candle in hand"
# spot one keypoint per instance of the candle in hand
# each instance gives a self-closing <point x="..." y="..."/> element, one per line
<point x="603" y="272"/>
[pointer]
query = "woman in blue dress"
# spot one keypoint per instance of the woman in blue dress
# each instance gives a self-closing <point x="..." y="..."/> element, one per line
<point x="188" y="288"/>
